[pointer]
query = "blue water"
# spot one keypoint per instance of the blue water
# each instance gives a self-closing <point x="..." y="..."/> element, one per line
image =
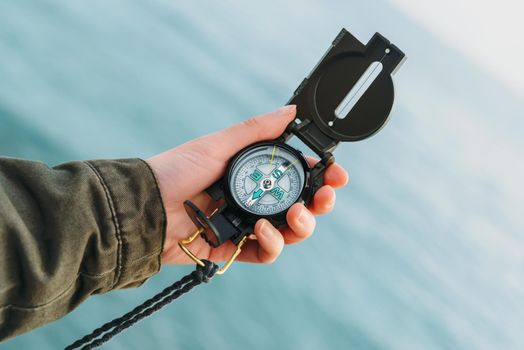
<point x="425" y="249"/>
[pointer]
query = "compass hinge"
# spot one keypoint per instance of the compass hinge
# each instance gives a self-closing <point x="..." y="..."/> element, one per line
<point x="317" y="173"/>
<point x="309" y="133"/>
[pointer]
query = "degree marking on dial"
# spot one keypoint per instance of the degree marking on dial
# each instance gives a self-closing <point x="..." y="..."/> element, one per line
<point x="290" y="165"/>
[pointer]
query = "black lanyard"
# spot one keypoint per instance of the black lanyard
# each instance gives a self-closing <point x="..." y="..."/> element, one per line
<point x="104" y="333"/>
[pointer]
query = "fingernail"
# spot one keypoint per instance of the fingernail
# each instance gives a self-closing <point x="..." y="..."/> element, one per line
<point x="305" y="219"/>
<point x="265" y="229"/>
<point x="332" y="201"/>
<point x="286" y="109"/>
<point x="347" y="177"/>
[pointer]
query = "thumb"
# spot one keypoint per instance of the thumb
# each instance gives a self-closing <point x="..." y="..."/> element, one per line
<point x="264" y="127"/>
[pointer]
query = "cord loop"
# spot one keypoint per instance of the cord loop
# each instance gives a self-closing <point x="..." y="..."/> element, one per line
<point x="204" y="273"/>
<point x="112" y="328"/>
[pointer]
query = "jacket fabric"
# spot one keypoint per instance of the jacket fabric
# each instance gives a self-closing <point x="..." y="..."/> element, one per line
<point x="71" y="231"/>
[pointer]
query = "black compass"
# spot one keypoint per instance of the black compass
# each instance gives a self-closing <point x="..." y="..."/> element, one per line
<point x="347" y="97"/>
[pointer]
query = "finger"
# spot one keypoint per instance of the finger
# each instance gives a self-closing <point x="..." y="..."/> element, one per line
<point x="335" y="175"/>
<point x="266" y="248"/>
<point x="265" y="127"/>
<point x="301" y="224"/>
<point x="323" y="200"/>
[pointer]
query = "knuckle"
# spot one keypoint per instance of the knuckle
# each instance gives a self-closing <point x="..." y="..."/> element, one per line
<point x="253" y="126"/>
<point x="252" y="122"/>
<point x="270" y="254"/>
<point x="269" y="258"/>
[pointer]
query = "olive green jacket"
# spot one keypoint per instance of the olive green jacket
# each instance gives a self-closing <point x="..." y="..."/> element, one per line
<point x="74" y="230"/>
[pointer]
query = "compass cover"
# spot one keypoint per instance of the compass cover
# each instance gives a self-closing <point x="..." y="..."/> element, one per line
<point x="349" y="94"/>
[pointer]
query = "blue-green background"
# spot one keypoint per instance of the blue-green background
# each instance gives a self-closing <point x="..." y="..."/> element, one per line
<point x="425" y="249"/>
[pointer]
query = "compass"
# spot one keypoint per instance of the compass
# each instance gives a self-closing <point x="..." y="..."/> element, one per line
<point x="267" y="178"/>
<point x="347" y="97"/>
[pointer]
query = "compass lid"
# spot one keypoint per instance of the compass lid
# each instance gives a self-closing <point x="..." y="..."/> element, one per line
<point x="349" y="94"/>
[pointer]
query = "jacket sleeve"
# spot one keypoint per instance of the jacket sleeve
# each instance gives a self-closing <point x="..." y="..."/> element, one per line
<point x="74" y="230"/>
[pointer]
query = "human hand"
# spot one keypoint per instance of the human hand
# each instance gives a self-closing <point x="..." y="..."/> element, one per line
<point x="184" y="172"/>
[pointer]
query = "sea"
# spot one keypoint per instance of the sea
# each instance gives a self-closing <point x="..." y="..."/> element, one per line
<point x="425" y="247"/>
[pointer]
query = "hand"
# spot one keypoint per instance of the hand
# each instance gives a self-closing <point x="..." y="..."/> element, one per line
<point x="184" y="172"/>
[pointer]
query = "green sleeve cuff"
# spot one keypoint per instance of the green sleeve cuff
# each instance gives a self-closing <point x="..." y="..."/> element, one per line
<point x="71" y="231"/>
<point x="138" y="216"/>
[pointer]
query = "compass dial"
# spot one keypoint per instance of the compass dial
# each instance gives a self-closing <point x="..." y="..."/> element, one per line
<point x="267" y="179"/>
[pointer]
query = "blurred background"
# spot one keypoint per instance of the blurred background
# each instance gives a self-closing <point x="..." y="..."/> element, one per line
<point x="425" y="249"/>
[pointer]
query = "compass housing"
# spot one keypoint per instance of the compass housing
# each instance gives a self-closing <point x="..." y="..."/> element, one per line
<point x="278" y="219"/>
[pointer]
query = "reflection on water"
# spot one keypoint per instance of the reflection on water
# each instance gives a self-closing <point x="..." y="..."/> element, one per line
<point x="425" y="247"/>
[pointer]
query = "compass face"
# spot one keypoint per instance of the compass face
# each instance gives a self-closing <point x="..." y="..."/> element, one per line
<point x="267" y="179"/>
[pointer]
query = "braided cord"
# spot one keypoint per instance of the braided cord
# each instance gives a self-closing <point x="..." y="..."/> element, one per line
<point x="112" y="328"/>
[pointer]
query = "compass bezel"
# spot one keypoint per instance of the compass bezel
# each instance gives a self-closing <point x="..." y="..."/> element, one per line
<point x="277" y="219"/>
